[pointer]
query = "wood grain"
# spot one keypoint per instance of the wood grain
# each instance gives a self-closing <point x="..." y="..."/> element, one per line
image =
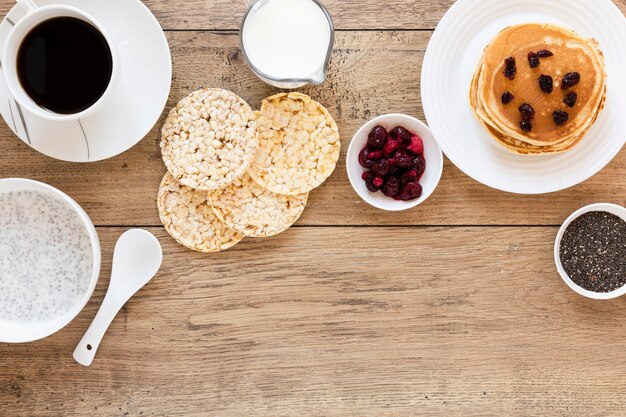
<point x="122" y="190"/>
<point x="347" y="14"/>
<point x="327" y="321"/>
<point x="451" y="309"/>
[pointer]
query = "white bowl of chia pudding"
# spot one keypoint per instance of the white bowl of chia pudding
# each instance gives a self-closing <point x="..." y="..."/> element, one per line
<point x="590" y="251"/>
<point x="49" y="260"/>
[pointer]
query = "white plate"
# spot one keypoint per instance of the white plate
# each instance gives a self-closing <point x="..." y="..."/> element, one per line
<point x="451" y="59"/>
<point x="136" y="105"/>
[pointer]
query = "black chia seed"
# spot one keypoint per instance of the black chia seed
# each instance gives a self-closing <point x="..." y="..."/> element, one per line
<point x="593" y="251"/>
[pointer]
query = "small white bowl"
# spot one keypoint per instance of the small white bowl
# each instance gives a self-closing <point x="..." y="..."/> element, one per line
<point x="13" y="332"/>
<point x="432" y="155"/>
<point x="610" y="208"/>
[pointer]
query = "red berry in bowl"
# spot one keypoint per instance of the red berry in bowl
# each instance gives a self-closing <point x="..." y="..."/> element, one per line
<point x="407" y="177"/>
<point x="394" y="163"/>
<point x="390" y="147"/>
<point x="401" y="134"/>
<point x="377" y="137"/>
<point x="375" y="155"/>
<point x="403" y="159"/>
<point x="411" y="191"/>
<point x="381" y="168"/>
<point x="417" y="145"/>
<point x="418" y="165"/>
<point x="391" y="187"/>
<point x="364" y="159"/>
<point x="393" y="169"/>
<point x="369" y="182"/>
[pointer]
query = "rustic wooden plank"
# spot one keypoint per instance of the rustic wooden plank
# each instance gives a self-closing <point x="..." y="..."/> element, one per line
<point x="365" y="81"/>
<point x="339" y="321"/>
<point x="347" y="14"/>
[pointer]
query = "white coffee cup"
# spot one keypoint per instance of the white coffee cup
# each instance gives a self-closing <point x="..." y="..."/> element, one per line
<point x="34" y="16"/>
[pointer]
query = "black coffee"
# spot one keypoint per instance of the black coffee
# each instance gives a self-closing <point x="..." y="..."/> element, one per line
<point x="65" y="65"/>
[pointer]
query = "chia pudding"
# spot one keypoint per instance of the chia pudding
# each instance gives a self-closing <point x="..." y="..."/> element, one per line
<point x="593" y="251"/>
<point x="46" y="257"/>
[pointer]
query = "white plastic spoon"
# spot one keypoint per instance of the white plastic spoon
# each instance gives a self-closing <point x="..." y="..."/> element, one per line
<point x="136" y="260"/>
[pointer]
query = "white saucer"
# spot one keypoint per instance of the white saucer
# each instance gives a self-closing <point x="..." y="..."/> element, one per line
<point x="451" y="59"/>
<point x="144" y="84"/>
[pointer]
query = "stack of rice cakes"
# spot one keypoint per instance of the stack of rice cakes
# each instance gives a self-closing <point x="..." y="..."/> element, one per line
<point x="234" y="173"/>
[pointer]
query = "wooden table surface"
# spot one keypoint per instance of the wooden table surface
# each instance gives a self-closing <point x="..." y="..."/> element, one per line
<point x="453" y="309"/>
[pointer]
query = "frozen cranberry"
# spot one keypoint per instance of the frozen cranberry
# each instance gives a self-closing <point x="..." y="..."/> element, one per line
<point x="411" y="191"/>
<point x="401" y="134"/>
<point x="375" y="156"/>
<point x="391" y="187"/>
<point x="403" y="159"/>
<point x="377" y="137"/>
<point x="371" y="187"/>
<point x="381" y="168"/>
<point x="366" y="175"/>
<point x="364" y="159"/>
<point x="378" y="182"/>
<point x="369" y="182"/>
<point x="419" y="166"/>
<point x="390" y="147"/>
<point x="417" y="145"/>
<point x="407" y="177"/>
<point x="393" y="169"/>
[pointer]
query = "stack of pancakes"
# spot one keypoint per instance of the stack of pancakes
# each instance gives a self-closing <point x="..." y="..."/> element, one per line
<point x="570" y="54"/>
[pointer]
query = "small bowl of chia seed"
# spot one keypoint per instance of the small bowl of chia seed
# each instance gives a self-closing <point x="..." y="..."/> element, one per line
<point x="590" y="251"/>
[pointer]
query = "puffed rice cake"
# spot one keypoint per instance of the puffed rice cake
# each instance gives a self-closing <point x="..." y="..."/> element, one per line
<point x="209" y="139"/>
<point x="188" y="217"/>
<point x="253" y="211"/>
<point x="299" y="144"/>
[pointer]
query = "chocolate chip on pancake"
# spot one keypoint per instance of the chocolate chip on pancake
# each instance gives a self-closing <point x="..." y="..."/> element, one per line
<point x="545" y="83"/>
<point x="533" y="59"/>
<point x="510" y="68"/>
<point x="526" y="126"/>
<point x="560" y="117"/>
<point x="570" y="80"/>
<point x="528" y="113"/>
<point x="544" y="53"/>
<point x="507" y="98"/>
<point x="570" y="99"/>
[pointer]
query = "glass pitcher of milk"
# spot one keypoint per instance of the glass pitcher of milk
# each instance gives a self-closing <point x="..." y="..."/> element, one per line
<point x="287" y="43"/>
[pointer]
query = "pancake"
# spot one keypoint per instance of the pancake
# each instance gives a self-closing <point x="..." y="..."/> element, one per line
<point x="570" y="54"/>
